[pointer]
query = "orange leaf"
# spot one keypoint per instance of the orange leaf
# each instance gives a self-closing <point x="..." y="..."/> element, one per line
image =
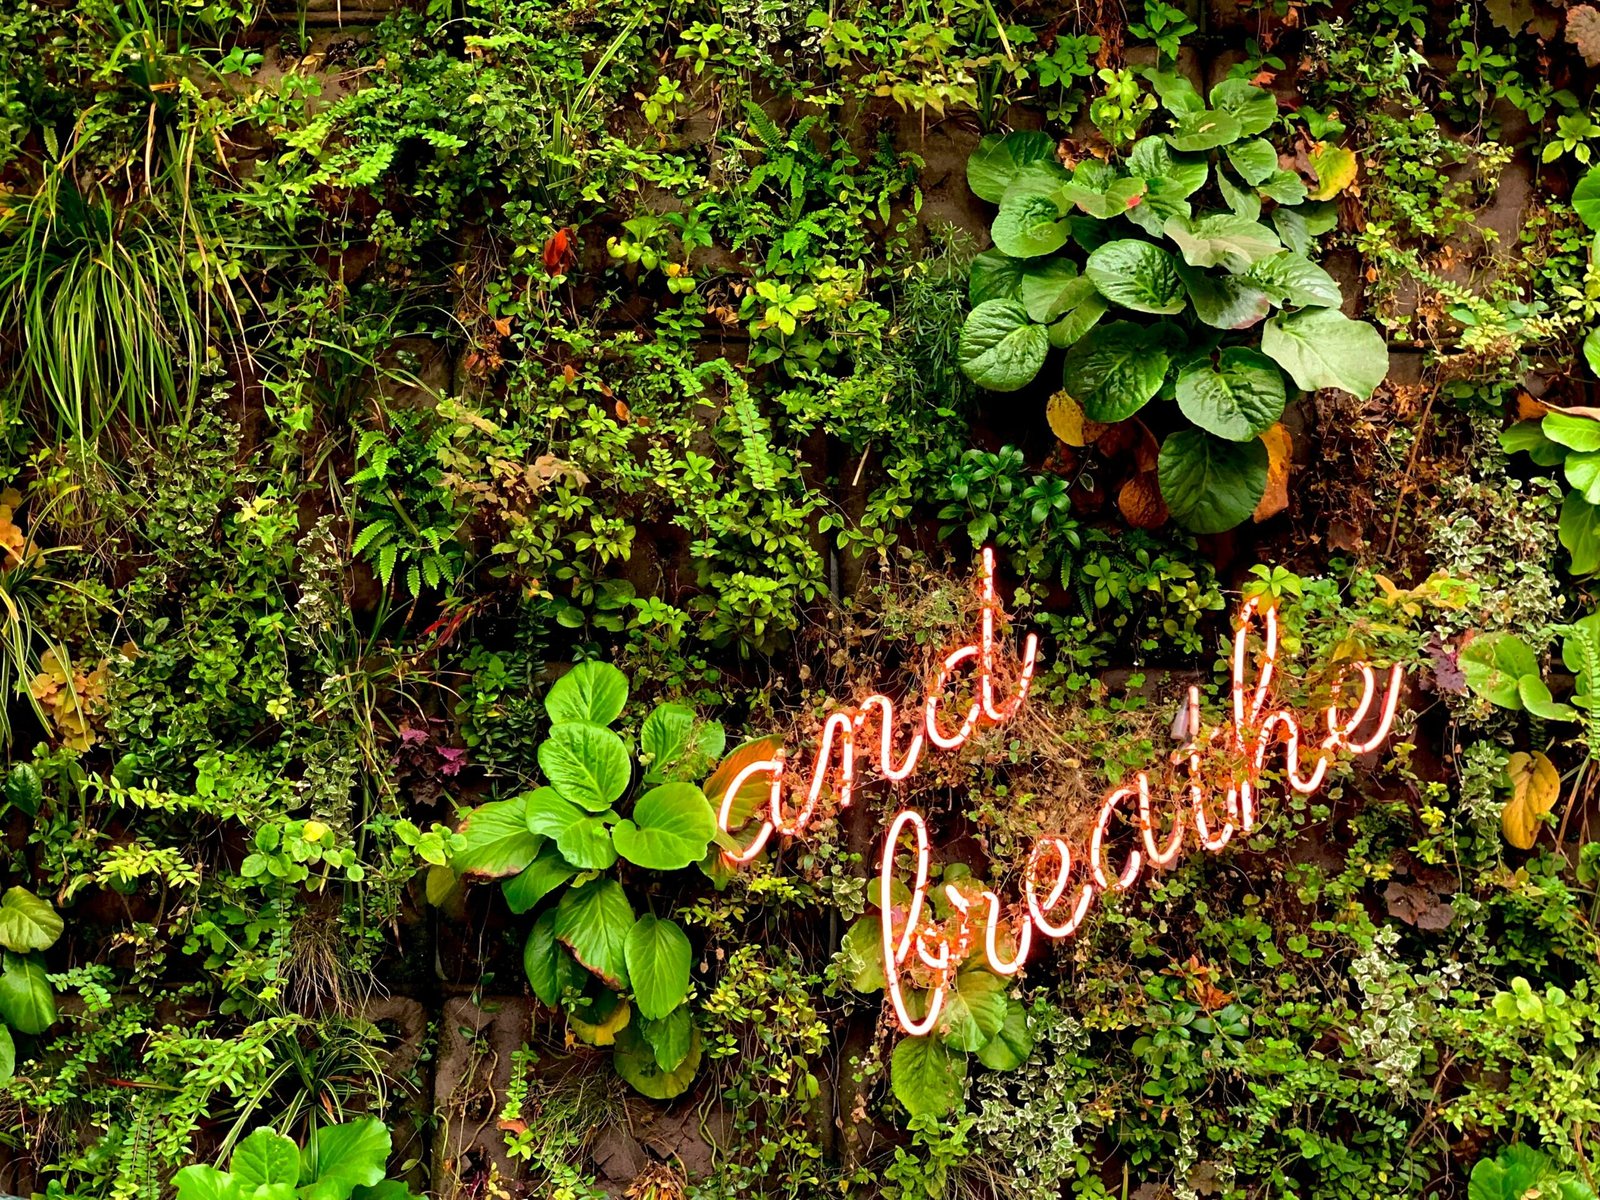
<point x="1279" y="449"/>
<point x="1141" y="503"/>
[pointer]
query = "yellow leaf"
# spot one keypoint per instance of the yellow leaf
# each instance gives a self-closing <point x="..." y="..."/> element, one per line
<point x="1066" y="419"/>
<point x="1336" y="170"/>
<point x="605" y="1033"/>
<point x="1535" y="787"/>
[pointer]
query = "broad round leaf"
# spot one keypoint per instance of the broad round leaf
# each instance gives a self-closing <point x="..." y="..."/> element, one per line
<point x="1114" y="373"/>
<point x="671" y="827"/>
<point x="593" y="922"/>
<point x="974" y="1009"/>
<point x="202" y="1182"/>
<point x="264" y="1158"/>
<point x="1072" y="327"/>
<point x="1137" y="275"/>
<point x="591" y="691"/>
<point x="1239" y="397"/>
<point x="1009" y="1048"/>
<point x="354" y="1154"/>
<point x="1291" y="278"/>
<point x="993" y="167"/>
<point x="670" y="1037"/>
<point x="1571" y="430"/>
<point x="498" y="841"/>
<point x="550" y="967"/>
<point x="994" y="276"/>
<point x="1051" y="287"/>
<point x="678" y="744"/>
<point x="1323" y="348"/>
<point x="1154" y="161"/>
<point x="926" y="1076"/>
<point x="24" y="788"/>
<point x="1222" y="240"/>
<point x="548" y="871"/>
<point x="658" y="955"/>
<point x="1254" y="159"/>
<point x="1203" y="131"/>
<point x="1029" y="225"/>
<point x="1225" y="301"/>
<point x="635" y="1061"/>
<point x="1000" y="348"/>
<point x="582" y="837"/>
<point x="27" y="1002"/>
<point x="27" y="922"/>
<point x="1493" y="663"/>
<point x="1210" y="484"/>
<point x="587" y="763"/>
<point x="1253" y="108"/>
<point x="1583" y="472"/>
<point x="1586" y="198"/>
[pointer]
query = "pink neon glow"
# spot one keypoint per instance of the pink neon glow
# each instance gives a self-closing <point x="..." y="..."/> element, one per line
<point x="1239" y="749"/>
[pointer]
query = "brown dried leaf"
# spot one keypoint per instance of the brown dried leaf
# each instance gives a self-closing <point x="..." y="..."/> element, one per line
<point x="1583" y="31"/>
<point x="1418" y="906"/>
<point x="1280" y="449"/>
<point x="1141" y="503"/>
<point x="1529" y="409"/>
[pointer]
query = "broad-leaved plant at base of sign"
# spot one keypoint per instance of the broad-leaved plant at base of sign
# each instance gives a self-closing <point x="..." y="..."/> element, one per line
<point x="1180" y="273"/>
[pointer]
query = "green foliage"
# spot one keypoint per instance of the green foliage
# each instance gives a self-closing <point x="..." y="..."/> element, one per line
<point x="339" y="1162"/>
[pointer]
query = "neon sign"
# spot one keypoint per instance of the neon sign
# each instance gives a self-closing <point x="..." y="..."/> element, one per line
<point x="1058" y="886"/>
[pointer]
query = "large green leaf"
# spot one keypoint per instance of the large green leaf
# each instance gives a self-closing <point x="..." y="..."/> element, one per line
<point x="974" y="1009"/>
<point x="1323" y="348"/>
<point x="635" y="1060"/>
<point x="27" y="1002"/>
<point x="1113" y="374"/>
<point x="1029" y="225"/>
<point x="678" y="743"/>
<point x="1238" y="397"/>
<point x="1254" y="159"/>
<point x="1291" y="278"/>
<point x="1583" y="472"/>
<point x="263" y="1159"/>
<point x="1152" y="160"/>
<point x="1224" y="301"/>
<point x="997" y="161"/>
<point x="498" y="841"/>
<point x="1098" y="190"/>
<point x="671" y="827"/>
<point x="1052" y="286"/>
<point x="591" y="691"/>
<point x="339" y="1158"/>
<point x="1253" y="108"/>
<point x="1138" y="275"/>
<point x="1203" y="130"/>
<point x="658" y="955"/>
<point x="548" y="871"/>
<point x="1009" y="1048"/>
<point x="1494" y="663"/>
<point x="550" y="967"/>
<point x="1571" y="430"/>
<point x="995" y="276"/>
<point x="1210" y="484"/>
<point x="584" y="838"/>
<point x="1286" y="188"/>
<point x="201" y="1182"/>
<point x="926" y="1076"/>
<point x="1000" y="348"/>
<point x="27" y="922"/>
<point x="1078" y="322"/>
<point x="1580" y="533"/>
<point x="587" y="763"/>
<point x="1586" y="198"/>
<point x="670" y="1037"/>
<point x="1222" y="240"/>
<point x="24" y="788"/>
<point x="862" y="952"/>
<point x="593" y="921"/>
<point x="8" y="1055"/>
<point x="1528" y="437"/>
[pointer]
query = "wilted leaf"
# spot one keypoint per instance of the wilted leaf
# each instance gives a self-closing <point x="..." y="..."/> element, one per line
<point x="1535" y="787"/>
<point x="1068" y="423"/>
<point x="1336" y="170"/>
<point x="1583" y="31"/>
<point x="1280" y="448"/>
<point x="1140" y="501"/>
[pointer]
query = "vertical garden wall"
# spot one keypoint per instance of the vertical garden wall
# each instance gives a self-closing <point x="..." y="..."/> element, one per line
<point x="758" y="599"/>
